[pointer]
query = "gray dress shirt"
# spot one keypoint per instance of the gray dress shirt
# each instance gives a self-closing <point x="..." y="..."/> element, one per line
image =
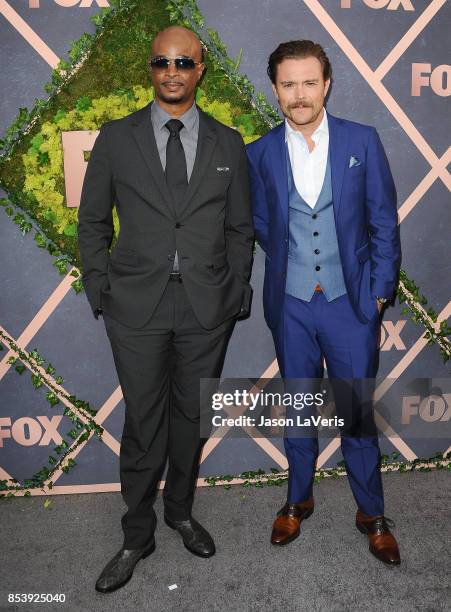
<point x="188" y="136"/>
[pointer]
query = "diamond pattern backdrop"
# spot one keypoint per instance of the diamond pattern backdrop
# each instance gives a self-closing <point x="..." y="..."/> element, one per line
<point x="374" y="47"/>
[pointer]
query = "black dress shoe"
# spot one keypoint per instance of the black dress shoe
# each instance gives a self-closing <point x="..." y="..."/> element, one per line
<point x="195" y="538"/>
<point x="119" y="570"/>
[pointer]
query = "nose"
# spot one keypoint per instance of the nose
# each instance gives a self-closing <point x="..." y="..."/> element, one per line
<point x="171" y="70"/>
<point x="299" y="91"/>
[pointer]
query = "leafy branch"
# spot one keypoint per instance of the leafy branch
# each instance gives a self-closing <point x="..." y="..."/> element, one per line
<point x="277" y="477"/>
<point x="26" y="224"/>
<point x="62" y="74"/>
<point x="187" y="12"/>
<point x="409" y="293"/>
<point x="78" y="411"/>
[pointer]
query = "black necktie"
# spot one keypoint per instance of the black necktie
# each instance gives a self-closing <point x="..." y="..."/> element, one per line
<point x="176" y="176"/>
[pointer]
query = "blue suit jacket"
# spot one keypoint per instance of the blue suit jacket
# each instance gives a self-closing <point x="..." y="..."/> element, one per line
<point x="364" y="201"/>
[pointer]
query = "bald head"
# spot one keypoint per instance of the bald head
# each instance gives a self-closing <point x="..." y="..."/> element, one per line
<point x="175" y="41"/>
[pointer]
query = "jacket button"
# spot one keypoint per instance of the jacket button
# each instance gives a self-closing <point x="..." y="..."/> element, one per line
<point x="177" y="225"/>
<point x="170" y="257"/>
<point x="314" y="216"/>
<point x="317" y="251"/>
<point x="317" y="268"/>
<point x="315" y="233"/>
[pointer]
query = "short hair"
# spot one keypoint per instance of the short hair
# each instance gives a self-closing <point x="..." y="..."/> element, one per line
<point x="294" y="49"/>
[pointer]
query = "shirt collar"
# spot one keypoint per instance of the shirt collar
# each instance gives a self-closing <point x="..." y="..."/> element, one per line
<point x="323" y="128"/>
<point x="159" y="117"/>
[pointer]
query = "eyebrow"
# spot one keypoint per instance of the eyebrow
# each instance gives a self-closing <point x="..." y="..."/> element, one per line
<point x="305" y="81"/>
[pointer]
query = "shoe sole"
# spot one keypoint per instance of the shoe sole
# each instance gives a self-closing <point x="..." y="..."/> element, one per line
<point x="193" y="552"/>
<point x="296" y="533"/>
<point x="364" y="530"/>
<point x="145" y="554"/>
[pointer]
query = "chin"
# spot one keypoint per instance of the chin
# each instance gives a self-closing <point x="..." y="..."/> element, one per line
<point x="301" y="120"/>
<point x="172" y="99"/>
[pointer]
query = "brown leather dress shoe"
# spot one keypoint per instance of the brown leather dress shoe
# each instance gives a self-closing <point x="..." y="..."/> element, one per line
<point x="286" y="527"/>
<point x="382" y="542"/>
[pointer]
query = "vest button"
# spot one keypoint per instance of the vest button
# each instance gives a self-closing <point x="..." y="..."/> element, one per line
<point x="317" y="268"/>
<point x="315" y="233"/>
<point x="314" y="216"/>
<point x="317" y="251"/>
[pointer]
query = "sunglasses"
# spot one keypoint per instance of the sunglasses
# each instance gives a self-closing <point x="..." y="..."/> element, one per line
<point x="181" y="63"/>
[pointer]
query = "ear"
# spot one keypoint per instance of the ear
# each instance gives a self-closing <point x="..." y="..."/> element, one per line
<point x="274" y="88"/>
<point x="200" y="72"/>
<point x="326" y="87"/>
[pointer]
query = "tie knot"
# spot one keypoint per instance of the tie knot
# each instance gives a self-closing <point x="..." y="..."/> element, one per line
<point x="174" y="126"/>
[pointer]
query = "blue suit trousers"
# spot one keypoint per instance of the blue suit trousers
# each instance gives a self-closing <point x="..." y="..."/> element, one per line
<point x="307" y="332"/>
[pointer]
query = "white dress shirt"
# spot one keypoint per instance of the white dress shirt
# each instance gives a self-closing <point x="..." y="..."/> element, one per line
<point x="308" y="168"/>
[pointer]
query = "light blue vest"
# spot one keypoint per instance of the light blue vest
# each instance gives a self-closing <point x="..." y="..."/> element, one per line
<point x="313" y="255"/>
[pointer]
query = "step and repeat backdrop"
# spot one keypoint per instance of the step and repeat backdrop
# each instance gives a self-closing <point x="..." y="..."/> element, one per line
<point x="391" y="66"/>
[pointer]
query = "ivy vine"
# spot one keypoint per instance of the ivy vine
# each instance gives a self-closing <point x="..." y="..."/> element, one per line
<point x="62" y="74"/>
<point x="79" y="413"/>
<point x="277" y="477"/>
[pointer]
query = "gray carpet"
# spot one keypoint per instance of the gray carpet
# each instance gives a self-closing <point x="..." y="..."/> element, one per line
<point x="63" y="548"/>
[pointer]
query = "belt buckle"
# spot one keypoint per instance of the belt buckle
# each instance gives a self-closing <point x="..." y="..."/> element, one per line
<point x="175" y="276"/>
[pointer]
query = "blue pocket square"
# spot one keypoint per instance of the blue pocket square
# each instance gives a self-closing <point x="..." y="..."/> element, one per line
<point x="353" y="161"/>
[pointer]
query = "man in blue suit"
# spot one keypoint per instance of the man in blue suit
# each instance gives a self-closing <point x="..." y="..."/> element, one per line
<point x="324" y="208"/>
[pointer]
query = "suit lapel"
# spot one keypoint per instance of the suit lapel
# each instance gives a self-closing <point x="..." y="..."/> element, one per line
<point x="145" y="138"/>
<point x="278" y="155"/>
<point x="338" y="146"/>
<point x="206" y="142"/>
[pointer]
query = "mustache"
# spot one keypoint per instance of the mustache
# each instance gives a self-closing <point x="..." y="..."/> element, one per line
<point x="299" y="104"/>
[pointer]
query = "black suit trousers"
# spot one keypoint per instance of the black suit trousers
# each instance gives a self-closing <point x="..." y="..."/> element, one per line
<point x="159" y="367"/>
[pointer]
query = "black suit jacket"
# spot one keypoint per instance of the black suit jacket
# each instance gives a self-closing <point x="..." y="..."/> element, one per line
<point x="212" y="230"/>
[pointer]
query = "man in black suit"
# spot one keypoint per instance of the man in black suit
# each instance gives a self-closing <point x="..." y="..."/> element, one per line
<point x="171" y="289"/>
